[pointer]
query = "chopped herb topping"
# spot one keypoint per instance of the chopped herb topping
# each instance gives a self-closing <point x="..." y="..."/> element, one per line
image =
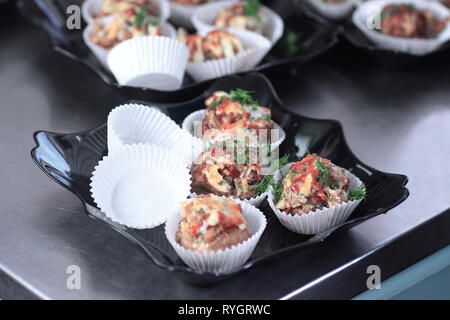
<point x="335" y="184"/>
<point x="324" y="173"/>
<point x="268" y="180"/>
<point x="244" y="190"/>
<point x="251" y="8"/>
<point x="278" y="192"/>
<point x="264" y="184"/>
<point x="358" y="193"/>
<point x="243" y="96"/>
<point x="216" y="103"/>
<point x="283" y="161"/>
<point x="143" y="19"/>
<point x="292" y="40"/>
<point x="291" y="173"/>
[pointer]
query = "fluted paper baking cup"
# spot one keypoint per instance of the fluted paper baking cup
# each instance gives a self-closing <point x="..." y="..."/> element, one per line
<point x="254" y="201"/>
<point x="222" y="261"/>
<point x="140" y="186"/>
<point x="101" y="53"/>
<point x="198" y="116"/>
<point x="134" y="123"/>
<point x="203" y="19"/>
<point x="91" y="8"/>
<point x="315" y="221"/>
<point x="149" y="62"/>
<point x="365" y="14"/>
<point x="333" y="11"/>
<point x="255" y="48"/>
<point x="181" y="14"/>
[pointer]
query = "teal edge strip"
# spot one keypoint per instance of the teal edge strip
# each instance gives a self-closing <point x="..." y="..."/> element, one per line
<point x="409" y="277"/>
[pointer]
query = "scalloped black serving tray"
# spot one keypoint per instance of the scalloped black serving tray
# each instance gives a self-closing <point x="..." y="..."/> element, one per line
<point x="315" y="33"/>
<point x="69" y="159"/>
<point x="384" y="57"/>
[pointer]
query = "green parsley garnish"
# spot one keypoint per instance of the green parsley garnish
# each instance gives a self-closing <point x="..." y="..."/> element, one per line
<point x="216" y="103"/>
<point x="292" y="40"/>
<point x="139" y="18"/>
<point x="324" y="173"/>
<point x="251" y="8"/>
<point x="143" y="19"/>
<point x="243" y="96"/>
<point x="267" y="117"/>
<point x="358" y="193"/>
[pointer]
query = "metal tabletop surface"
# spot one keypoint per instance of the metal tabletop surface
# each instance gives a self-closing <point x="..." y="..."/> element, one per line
<point x="396" y="121"/>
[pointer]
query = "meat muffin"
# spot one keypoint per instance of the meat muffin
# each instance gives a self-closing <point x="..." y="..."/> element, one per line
<point x="227" y="170"/>
<point x="407" y="22"/>
<point x="217" y="44"/>
<point x="236" y="116"/>
<point x="127" y="7"/>
<point x="122" y="28"/>
<point x="211" y="223"/>
<point x="247" y="16"/>
<point x="313" y="183"/>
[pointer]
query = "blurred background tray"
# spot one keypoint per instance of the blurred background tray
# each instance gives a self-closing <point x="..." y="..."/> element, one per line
<point x="315" y="36"/>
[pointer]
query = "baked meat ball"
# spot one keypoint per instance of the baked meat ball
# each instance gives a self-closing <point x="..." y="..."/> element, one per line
<point x="227" y="170"/>
<point x="211" y="223"/>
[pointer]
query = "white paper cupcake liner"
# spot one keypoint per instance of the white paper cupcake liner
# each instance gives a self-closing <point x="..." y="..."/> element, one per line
<point x="256" y="47"/>
<point x="333" y="11"/>
<point x="315" y="221"/>
<point x="199" y="115"/>
<point x="133" y="124"/>
<point x="140" y="186"/>
<point x="367" y="11"/>
<point x="222" y="261"/>
<point x="102" y="54"/>
<point x="149" y="62"/>
<point x="91" y="8"/>
<point x="203" y="19"/>
<point x="181" y="14"/>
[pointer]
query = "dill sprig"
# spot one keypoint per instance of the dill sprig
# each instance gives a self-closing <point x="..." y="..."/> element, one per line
<point x="324" y="173"/>
<point x="283" y="161"/>
<point x="278" y="192"/>
<point x="264" y="184"/>
<point x="268" y="180"/>
<point x="358" y="193"/>
<point x="243" y="96"/>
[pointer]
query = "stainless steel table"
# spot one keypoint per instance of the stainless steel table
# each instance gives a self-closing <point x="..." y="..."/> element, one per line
<point x="394" y="120"/>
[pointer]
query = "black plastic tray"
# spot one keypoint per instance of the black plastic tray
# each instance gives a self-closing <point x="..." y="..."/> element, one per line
<point x="69" y="159"/>
<point x="316" y="35"/>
